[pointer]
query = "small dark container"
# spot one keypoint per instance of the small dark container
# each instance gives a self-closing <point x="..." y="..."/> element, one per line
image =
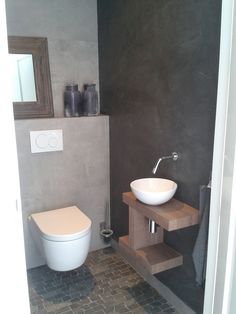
<point x="72" y="101"/>
<point x="90" y="100"/>
<point x="106" y="235"/>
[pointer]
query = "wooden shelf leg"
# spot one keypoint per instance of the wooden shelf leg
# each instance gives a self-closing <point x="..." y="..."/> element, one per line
<point x="139" y="235"/>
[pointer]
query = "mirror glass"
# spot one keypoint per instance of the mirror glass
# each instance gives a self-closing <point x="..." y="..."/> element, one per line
<point x="22" y="77"/>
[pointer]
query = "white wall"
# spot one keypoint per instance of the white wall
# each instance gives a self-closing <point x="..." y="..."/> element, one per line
<point x="13" y="285"/>
<point x="222" y="228"/>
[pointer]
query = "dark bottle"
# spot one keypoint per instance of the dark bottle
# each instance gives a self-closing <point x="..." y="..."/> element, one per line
<point x="72" y="101"/>
<point x="90" y="100"/>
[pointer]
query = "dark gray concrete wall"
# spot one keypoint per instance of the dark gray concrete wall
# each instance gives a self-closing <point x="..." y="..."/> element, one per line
<point x="158" y="82"/>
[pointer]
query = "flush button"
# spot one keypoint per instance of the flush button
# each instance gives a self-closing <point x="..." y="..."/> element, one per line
<point x="53" y="142"/>
<point x="46" y="141"/>
<point x="41" y="141"/>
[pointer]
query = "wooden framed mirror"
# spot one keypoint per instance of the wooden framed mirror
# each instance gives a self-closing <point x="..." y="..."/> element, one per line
<point x="31" y="81"/>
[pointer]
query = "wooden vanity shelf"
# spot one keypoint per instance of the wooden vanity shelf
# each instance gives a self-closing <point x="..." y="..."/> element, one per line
<point x="149" y="249"/>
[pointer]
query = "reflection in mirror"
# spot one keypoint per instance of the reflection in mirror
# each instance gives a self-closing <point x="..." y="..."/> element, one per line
<point x="32" y="92"/>
<point x="22" y="77"/>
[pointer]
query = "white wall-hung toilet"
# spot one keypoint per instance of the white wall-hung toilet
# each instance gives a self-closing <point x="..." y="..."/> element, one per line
<point x="65" y="237"/>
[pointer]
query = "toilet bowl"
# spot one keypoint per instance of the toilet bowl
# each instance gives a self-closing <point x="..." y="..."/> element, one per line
<point x="65" y="237"/>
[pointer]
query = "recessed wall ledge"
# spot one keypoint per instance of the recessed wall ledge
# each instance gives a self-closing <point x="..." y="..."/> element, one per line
<point x="66" y="118"/>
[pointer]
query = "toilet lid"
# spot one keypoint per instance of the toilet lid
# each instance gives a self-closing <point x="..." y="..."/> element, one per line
<point x="62" y="224"/>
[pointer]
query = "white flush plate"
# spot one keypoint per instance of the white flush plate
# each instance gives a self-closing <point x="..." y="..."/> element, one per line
<point x="46" y="141"/>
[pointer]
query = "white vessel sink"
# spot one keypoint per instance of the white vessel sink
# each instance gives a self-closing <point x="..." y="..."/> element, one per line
<point x="153" y="191"/>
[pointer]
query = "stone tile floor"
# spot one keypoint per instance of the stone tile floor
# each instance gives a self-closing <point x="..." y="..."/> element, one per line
<point x="104" y="284"/>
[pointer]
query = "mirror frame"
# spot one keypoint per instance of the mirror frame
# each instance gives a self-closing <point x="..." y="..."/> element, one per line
<point x="38" y="47"/>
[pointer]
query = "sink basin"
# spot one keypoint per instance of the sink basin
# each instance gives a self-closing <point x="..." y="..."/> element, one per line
<point x="153" y="191"/>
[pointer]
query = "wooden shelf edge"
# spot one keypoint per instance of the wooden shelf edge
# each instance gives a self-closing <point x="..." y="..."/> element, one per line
<point x="159" y="257"/>
<point x="171" y="216"/>
<point x="156" y="258"/>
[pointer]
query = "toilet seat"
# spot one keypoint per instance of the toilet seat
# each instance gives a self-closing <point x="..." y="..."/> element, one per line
<point x="64" y="224"/>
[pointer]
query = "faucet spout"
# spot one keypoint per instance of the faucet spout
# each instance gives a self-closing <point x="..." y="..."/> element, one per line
<point x="174" y="156"/>
<point x="154" y="170"/>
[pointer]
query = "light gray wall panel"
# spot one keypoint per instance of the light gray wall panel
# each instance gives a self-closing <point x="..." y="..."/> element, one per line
<point x="79" y="175"/>
<point x="71" y="29"/>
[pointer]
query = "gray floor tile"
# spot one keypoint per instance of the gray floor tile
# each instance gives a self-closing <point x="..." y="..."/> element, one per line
<point x="104" y="284"/>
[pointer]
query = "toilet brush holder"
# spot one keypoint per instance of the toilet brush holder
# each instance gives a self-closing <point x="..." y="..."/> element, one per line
<point x="106" y="235"/>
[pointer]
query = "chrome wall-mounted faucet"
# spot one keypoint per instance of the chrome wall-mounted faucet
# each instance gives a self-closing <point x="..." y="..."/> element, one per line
<point x="174" y="156"/>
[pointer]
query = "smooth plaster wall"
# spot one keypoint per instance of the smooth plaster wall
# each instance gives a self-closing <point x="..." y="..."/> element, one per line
<point x="78" y="175"/>
<point x="71" y="29"/>
<point x="158" y="77"/>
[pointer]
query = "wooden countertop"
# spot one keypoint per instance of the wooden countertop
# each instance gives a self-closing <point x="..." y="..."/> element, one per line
<point x="171" y="216"/>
